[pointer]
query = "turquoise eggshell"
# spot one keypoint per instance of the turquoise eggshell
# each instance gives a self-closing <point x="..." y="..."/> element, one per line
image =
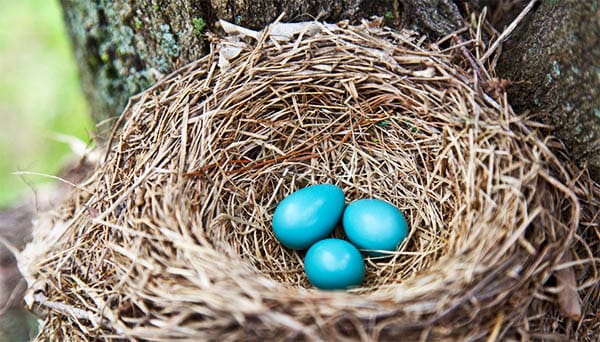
<point x="374" y="224"/>
<point x="308" y="215"/>
<point x="334" y="264"/>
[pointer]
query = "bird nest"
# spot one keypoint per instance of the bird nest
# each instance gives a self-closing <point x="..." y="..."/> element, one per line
<point x="171" y="236"/>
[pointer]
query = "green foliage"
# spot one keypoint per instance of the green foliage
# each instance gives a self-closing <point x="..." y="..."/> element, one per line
<point x="199" y="25"/>
<point x="39" y="94"/>
<point x="138" y="23"/>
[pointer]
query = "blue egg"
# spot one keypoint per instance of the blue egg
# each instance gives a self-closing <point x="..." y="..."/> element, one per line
<point x="374" y="224"/>
<point x="308" y="215"/>
<point x="334" y="264"/>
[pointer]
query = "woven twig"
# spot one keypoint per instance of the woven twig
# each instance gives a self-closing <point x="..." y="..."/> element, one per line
<point x="170" y="238"/>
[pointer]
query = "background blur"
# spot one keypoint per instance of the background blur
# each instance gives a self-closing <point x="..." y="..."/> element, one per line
<point x="40" y="94"/>
<point x="40" y="97"/>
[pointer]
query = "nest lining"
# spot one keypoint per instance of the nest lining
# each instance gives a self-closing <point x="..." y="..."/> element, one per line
<point x="171" y="237"/>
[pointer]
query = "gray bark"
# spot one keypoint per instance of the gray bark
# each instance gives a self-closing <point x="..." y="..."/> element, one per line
<point x="122" y="47"/>
<point x="554" y="58"/>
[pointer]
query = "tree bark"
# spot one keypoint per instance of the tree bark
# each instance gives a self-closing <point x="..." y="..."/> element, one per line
<point x="122" y="47"/>
<point x="554" y="58"/>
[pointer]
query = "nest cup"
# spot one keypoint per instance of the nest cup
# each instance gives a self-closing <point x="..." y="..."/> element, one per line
<point x="171" y="236"/>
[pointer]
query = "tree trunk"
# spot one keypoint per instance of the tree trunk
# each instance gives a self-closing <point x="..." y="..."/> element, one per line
<point x="122" y="47"/>
<point x="554" y="58"/>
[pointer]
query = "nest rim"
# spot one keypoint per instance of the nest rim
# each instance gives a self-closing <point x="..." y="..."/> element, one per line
<point x="451" y="127"/>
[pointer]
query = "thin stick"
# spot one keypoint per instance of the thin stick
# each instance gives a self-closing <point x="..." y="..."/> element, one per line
<point x="508" y="31"/>
<point x="33" y="173"/>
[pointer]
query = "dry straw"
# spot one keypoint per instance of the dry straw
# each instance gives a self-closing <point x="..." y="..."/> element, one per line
<point x="170" y="238"/>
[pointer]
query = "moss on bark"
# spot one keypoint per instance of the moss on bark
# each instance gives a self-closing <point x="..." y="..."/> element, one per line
<point x="122" y="47"/>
